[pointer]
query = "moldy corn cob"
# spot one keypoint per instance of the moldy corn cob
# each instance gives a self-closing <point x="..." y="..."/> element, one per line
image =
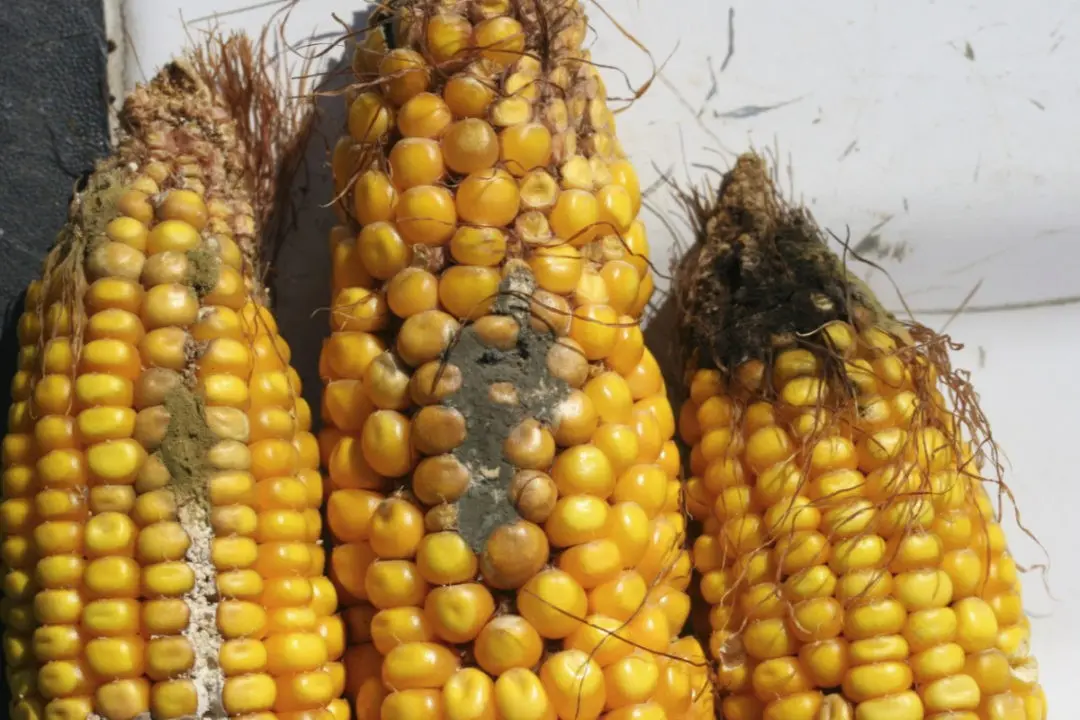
<point x="850" y="555"/>
<point x="504" y="490"/>
<point x="161" y="489"/>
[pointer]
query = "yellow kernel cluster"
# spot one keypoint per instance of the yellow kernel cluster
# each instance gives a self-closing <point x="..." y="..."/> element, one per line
<point x="469" y="164"/>
<point x="128" y="589"/>
<point x="488" y="158"/>
<point x="850" y="555"/>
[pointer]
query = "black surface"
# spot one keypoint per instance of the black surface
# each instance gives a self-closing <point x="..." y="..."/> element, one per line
<point x="53" y="125"/>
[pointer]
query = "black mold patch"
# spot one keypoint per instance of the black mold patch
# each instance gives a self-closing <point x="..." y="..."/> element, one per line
<point x="761" y="275"/>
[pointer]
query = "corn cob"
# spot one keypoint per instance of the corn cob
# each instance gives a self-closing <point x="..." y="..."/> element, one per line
<point x="850" y="555"/>
<point x="502" y="470"/>
<point x="161" y="486"/>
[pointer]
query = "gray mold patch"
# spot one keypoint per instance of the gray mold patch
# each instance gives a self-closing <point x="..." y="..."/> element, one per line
<point x="486" y="504"/>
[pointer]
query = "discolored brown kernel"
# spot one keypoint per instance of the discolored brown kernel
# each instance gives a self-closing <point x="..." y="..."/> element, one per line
<point x="438" y="429"/>
<point x="530" y="445"/>
<point x="440" y="518"/>
<point x="533" y="494"/>
<point x="434" y="381"/>
<point x="513" y="554"/>
<point x="440" y="479"/>
<point x="566" y="360"/>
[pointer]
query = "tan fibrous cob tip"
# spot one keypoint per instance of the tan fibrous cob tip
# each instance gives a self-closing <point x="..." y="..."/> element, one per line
<point x="161" y="487"/>
<point x="505" y="501"/>
<point x="848" y="552"/>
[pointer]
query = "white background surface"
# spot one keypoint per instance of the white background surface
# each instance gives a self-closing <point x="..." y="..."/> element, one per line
<point x="951" y="127"/>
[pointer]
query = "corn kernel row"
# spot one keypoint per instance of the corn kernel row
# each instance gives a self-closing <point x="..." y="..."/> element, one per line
<point x="17" y="511"/>
<point x="151" y="279"/>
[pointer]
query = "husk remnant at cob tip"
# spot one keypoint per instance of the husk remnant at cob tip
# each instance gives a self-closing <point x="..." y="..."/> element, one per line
<point x="760" y="273"/>
<point x="776" y="332"/>
<point x="761" y="278"/>
<point x="222" y="105"/>
<point x="215" y="120"/>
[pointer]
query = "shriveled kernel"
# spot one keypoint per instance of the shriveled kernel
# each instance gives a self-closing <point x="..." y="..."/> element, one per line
<point x="538" y="190"/>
